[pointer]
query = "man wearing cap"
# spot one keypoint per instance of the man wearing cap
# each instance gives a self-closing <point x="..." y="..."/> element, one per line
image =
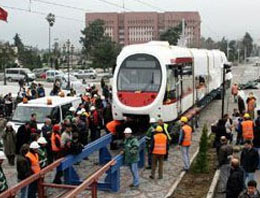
<point x="149" y="137"/>
<point x="3" y="181"/>
<point x="247" y="128"/>
<point x="42" y="152"/>
<point x="33" y="157"/>
<point x="131" y="156"/>
<point x="185" y="142"/>
<point x="158" y="148"/>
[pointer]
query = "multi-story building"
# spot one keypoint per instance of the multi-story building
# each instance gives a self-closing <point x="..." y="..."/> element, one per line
<point x="139" y="27"/>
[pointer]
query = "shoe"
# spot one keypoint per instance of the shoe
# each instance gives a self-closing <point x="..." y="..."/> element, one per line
<point x="160" y="177"/>
<point x="135" y="187"/>
<point x="148" y="167"/>
<point x="151" y="177"/>
<point x="185" y="170"/>
<point x="131" y="185"/>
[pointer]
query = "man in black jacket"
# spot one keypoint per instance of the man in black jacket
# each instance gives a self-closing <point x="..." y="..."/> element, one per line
<point x="249" y="161"/>
<point x="23" y="168"/>
<point x="23" y="136"/>
<point x="235" y="183"/>
<point x="256" y="141"/>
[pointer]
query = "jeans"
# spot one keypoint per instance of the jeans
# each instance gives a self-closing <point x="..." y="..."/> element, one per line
<point x="24" y="191"/>
<point x="185" y="157"/>
<point x="134" y="170"/>
<point x="249" y="177"/>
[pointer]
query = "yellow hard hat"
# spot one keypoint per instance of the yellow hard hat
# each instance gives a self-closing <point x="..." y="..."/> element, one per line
<point x="159" y="129"/>
<point x="184" y="119"/>
<point x="246" y="115"/>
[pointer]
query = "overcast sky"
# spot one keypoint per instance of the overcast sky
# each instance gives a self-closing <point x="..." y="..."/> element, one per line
<point x="229" y="18"/>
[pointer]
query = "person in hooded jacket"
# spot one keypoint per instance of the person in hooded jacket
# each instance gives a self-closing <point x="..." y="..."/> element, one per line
<point x="9" y="139"/>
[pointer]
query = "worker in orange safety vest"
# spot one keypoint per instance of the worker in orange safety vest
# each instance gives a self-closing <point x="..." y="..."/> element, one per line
<point x="247" y="128"/>
<point x="33" y="157"/>
<point x="185" y="142"/>
<point x="159" y="146"/>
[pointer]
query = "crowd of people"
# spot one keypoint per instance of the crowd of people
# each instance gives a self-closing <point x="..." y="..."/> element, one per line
<point x="237" y="142"/>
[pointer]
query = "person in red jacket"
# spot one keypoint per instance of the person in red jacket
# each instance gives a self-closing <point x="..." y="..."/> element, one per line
<point x="95" y="123"/>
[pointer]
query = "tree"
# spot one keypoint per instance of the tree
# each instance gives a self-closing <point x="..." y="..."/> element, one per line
<point x="247" y="44"/>
<point x="104" y="55"/>
<point x="7" y="55"/>
<point x="27" y="55"/>
<point x="172" y="34"/>
<point x="98" y="47"/>
<point x="201" y="164"/>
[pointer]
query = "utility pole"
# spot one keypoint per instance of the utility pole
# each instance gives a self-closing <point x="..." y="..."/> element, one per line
<point x="228" y="50"/>
<point x="238" y="55"/>
<point x="245" y="54"/>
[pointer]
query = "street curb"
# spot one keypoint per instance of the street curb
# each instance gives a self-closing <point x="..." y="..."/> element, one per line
<point x="213" y="185"/>
<point x="178" y="180"/>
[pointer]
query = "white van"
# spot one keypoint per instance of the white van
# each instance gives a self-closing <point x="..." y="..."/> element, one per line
<point x="57" y="110"/>
<point x="16" y="74"/>
<point x="50" y="74"/>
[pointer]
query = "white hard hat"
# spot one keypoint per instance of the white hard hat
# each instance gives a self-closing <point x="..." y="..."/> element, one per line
<point x="128" y="130"/>
<point x="34" y="145"/>
<point x="83" y="110"/>
<point x="92" y="108"/>
<point x="72" y="109"/>
<point x="102" y="97"/>
<point x="79" y="112"/>
<point x="88" y="94"/>
<point x="2" y="155"/>
<point x="95" y="95"/>
<point x="9" y="124"/>
<point x="152" y="120"/>
<point x="41" y="140"/>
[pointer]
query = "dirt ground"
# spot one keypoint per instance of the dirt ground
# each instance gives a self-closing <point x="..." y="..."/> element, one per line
<point x="197" y="185"/>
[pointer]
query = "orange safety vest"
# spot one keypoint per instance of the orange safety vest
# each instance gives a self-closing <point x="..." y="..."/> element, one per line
<point x="251" y="104"/>
<point x="160" y="144"/>
<point x="53" y="144"/>
<point x="248" y="129"/>
<point x="34" y="159"/>
<point x="111" y="126"/>
<point x="187" y="131"/>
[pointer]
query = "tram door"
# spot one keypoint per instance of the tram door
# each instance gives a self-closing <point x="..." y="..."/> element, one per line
<point x="177" y="74"/>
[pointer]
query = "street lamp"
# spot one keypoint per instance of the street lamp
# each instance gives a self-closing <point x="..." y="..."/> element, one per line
<point x="68" y="50"/>
<point x="51" y="19"/>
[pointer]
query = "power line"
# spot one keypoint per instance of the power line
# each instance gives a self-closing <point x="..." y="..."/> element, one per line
<point x="150" y="5"/>
<point x="62" y="5"/>
<point x="41" y="13"/>
<point x="115" y="5"/>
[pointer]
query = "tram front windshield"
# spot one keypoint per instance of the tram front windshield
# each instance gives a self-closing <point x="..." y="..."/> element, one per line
<point x="140" y="72"/>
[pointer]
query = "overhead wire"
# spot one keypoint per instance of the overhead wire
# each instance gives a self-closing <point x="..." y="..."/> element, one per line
<point x="40" y="13"/>
<point x="115" y="5"/>
<point x="150" y="5"/>
<point x="62" y="5"/>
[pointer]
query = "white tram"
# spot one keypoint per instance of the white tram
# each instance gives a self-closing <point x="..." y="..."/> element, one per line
<point x="160" y="81"/>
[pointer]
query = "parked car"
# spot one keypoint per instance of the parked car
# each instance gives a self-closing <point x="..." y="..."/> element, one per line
<point x="50" y="74"/>
<point x="41" y="72"/>
<point x="74" y="82"/>
<point x="88" y="73"/>
<point x="16" y="74"/>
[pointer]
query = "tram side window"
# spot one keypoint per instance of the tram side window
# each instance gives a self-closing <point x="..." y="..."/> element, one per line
<point x="170" y="93"/>
<point x="187" y="84"/>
